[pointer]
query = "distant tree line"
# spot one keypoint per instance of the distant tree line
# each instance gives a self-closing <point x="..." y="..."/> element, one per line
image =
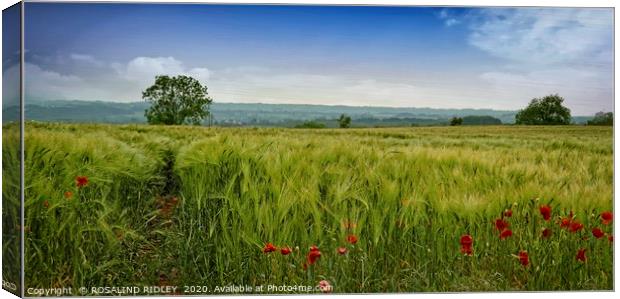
<point x="602" y="119"/>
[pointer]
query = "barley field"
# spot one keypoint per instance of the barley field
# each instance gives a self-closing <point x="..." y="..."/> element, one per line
<point x="425" y="209"/>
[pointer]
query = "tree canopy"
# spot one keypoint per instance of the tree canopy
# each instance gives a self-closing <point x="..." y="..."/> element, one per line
<point x="176" y="101"/>
<point x="544" y="111"/>
<point x="602" y="119"/>
<point x="344" y="121"/>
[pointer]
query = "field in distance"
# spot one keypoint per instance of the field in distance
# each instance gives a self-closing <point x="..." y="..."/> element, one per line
<point x="387" y="210"/>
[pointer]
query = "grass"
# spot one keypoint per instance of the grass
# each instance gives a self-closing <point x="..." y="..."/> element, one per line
<point x="190" y="206"/>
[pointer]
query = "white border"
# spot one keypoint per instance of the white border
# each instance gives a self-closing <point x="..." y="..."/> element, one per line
<point x="564" y="3"/>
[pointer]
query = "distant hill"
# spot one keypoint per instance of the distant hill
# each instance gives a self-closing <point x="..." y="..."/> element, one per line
<point x="241" y="114"/>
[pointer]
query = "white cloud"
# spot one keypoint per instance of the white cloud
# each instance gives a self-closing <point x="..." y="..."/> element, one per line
<point x="449" y="19"/>
<point x="87" y="59"/>
<point x="545" y="36"/>
<point x="146" y="68"/>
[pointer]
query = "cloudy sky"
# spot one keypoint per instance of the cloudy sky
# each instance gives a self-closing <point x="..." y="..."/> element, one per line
<point x="497" y="58"/>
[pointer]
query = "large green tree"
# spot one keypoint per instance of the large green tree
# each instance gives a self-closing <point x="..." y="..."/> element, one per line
<point x="544" y="111"/>
<point x="176" y="101"/>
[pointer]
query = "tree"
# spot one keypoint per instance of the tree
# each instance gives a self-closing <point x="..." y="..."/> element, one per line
<point x="456" y="121"/>
<point x="602" y="119"/>
<point x="176" y="101"/>
<point x="344" y="121"/>
<point x="546" y="111"/>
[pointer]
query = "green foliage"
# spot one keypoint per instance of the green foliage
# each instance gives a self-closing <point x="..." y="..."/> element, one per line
<point x="311" y="125"/>
<point x="176" y="101"/>
<point x="602" y="119"/>
<point x="481" y="120"/>
<point x="410" y="193"/>
<point x="344" y="121"/>
<point x="546" y="111"/>
<point x="456" y="121"/>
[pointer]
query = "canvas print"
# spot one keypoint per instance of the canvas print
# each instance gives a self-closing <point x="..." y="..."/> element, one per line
<point x="215" y="149"/>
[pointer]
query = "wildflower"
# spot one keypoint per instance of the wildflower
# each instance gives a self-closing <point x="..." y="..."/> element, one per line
<point x="285" y="250"/>
<point x="352" y="239"/>
<point x="607" y="217"/>
<point x="598" y="233"/>
<point x="68" y="195"/>
<point x="313" y="255"/>
<point x="325" y="286"/>
<point x="505" y="234"/>
<point x="501" y="224"/>
<point x="524" y="258"/>
<point x="545" y="211"/>
<point x="342" y="250"/>
<point x="546" y="233"/>
<point x="581" y="255"/>
<point x="269" y="248"/>
<point x="466" y="244"/>
<point x="575" y="227"/>
<point x="81" y="181"/>
<point x="565" y="222"/>
<point x="508" y="213"/>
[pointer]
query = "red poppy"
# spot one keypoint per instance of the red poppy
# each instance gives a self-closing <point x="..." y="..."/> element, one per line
<point x="508" y="213"/>
<point x="269" y="248"/>
<point x="313" y="255"/>
<point x="607" y="217"/>
<point x="352" y="239"/>
<point x="46" y="203"/>
<point x="581" y="255"/>
<point x="342" y="250"/>
<point x="546" y="233"/>
<point x="610" y="238"/>
<point x="598" y="233"/>
<point x="81" y="181"/>
<point x="285" y="250"/>
<point x="524" y="258"/>
<point x="466" y="244"/>
<point x="575" y="226"/>
<point x="565" y="222"/>
<point x="501" y="225"/>
<point x="68" y="194"/>
<point x="505" y="234"/>
<point x="545" y="211"/>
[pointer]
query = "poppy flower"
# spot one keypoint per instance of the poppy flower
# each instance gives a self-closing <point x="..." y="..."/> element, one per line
<point x="598" y="233"/>
<point x="313" y="255"/>
<point x="610" y="238"/>
<point x="68" y="195"/>
<point x="524" y="258"/>
<point x="581" y="255"/>
<point x="575" y="227"/>
<point x="81" y="181"/>
<point x="285" y="250"/>
<point x="325" y="286"/>
<point x="607" y="217"/>
<point x="501" y="224"/>
<point x="505" y="234"/>
<point x="46" y="203"/>
<point x="269" y="248"/>
<point x="565" y="222"/>
<point x="352" y="239"/>
<point x="342" y="250"/>
<point x="508" y="213"/>
<point x="466" y="244"/>
<point x="545" y="211"/>
<point x="547" y="232"/>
